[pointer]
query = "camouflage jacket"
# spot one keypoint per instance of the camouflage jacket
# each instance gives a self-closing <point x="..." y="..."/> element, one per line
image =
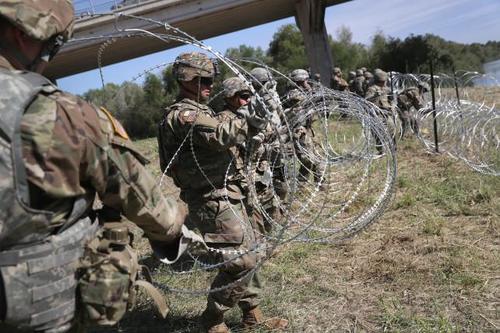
<point x="358" y="85"/>
<point x="410" y="98"/>
<point x="379" y="96"/>
<point x="197" y="148"/>
<point x="339" y="83"/>
<point x="72" y="149"/>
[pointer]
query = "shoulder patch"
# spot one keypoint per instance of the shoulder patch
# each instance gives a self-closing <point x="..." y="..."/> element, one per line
<point x="117" y="127"/>
<point x="187" y="117"/>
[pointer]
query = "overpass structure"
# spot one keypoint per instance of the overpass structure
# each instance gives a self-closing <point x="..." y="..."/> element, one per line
<point x="199" y="18"/>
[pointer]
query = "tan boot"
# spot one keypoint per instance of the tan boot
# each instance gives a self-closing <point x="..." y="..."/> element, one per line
<point x="213" y="323"/>
<point x="255" y="317"/>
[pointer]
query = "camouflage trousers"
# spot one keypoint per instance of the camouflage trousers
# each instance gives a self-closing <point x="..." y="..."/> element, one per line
<point x="225" y="225"/>
<point x="304" y="147"/>
<point x="408" y="121"/>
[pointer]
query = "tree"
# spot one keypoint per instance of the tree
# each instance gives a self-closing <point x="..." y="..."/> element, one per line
<point x="287" y="49"/>
<point x="346" y="54"/>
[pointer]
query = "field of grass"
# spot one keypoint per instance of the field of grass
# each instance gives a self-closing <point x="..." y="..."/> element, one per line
<point x="430" y="264"/>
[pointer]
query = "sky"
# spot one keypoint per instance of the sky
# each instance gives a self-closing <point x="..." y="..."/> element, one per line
<point x="464" y="21"/>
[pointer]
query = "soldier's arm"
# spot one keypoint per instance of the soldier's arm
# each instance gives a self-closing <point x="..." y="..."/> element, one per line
<point x="131" y="189"/>
<point x="211" y="133"/>
<point x="71" y="150"/>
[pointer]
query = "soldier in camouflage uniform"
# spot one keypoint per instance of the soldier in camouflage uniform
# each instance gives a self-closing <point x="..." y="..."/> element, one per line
<point x="350" y="80"/>
<point x="265" y="85"/>
<point x="358" y="83"/>
<point x="338" y="83"/>
<point x="302" y="130"/>
<point x="64" y="153"/>
<point x="199" y="148"/>
<point x="378" y="93"/>
<point x="411" y="98"/>
<point x="368" y="81"/>
<point x="257" y="153"/>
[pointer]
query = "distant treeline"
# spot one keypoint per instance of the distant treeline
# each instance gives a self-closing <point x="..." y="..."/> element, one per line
<point x="140" y="108"/>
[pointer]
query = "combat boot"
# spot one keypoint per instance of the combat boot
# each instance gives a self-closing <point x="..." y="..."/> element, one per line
<point x="255" y="317"/>
<point x="213" y="323"/>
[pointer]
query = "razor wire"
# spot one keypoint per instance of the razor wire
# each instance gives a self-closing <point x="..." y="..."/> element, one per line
<point x="467" y="116"/>
<point x="338" y="182"/>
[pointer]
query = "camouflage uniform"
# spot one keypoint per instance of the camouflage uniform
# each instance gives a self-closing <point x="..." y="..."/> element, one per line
<point x="338" y="83"/>
<point x="378" y="93"/>
<point x="210" y="184"/>
<point x="258" y="154"/>
<point x="303" y="135"/>
<point x="368" y="81"/>
<point x="358" y="83"/>
<point x="266" y="88"/>
<point x="69" y="152"/>
<point x="409" y="98"/>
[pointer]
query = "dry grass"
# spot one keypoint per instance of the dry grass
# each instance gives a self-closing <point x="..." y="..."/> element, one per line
<point x="431" y="264"/>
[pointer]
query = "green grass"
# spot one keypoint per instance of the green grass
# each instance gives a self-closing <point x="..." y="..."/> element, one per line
<point x="430" y="264"/>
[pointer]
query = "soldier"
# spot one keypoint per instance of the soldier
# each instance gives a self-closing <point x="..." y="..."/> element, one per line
<point x="350" y="80"/>
<point x="368" y="81"/>
<point x="265" y="85"/>
<point x="378" y="94"/>
<point x="338" y="83"/>
<point x="301" y="124"/>
<point x="358" y="84"/>
<point x="411" y="98"/>
<point x="57" y="153"/>
<point x="258" y="153"/>
<point x="198" y="148"/>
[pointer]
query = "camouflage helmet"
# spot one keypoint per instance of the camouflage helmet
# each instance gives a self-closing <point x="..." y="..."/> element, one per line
<point x="380" y="76"/>
<point x="368" y="75"/>
<point x="234" y="85"/>
<point x="363" y="69"/>
<point x="260" y="75"/>
<point x="40" y="19"/>
<point x="298" y="75"/>
<point x="352" y="74"/>
<point x="359" y="72"/>
<point x="336" y="70"/>
<point x="188" y="66"/>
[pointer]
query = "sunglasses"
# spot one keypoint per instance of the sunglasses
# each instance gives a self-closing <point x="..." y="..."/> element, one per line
<point x="244" y="95"/>
<point x="206" y="81"/>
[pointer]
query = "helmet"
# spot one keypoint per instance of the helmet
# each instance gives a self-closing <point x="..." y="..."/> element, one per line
<point x="352" y="74"/>
<point x="298" y="75"/>
<point x="188" y="66"/>
<point x="363" y="69"/>
<point x="234" y="85"/>
<point x="368" y="75"/>
<point x="336" y="70"/>
<point x="260" y="75"/>
<point x="359" y="72"/>
<point x="40" y="19"/>
<point x="380" y="76"/>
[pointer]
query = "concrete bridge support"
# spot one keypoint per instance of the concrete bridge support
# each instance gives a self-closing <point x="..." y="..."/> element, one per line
<point x="310" y="17"/>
